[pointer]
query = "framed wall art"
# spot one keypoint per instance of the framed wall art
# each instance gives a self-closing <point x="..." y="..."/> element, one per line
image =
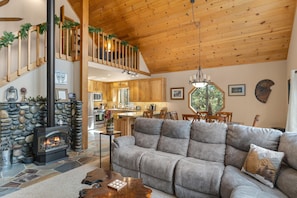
<point x="177" y="93"/>
<point x="61" y="94"/>
<point x="236" y="90"/>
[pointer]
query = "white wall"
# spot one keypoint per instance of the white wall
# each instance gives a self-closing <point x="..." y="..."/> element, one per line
<point x="35" y="81"/>
<point x="244" y="108"/>
<point x="32" y="11"/>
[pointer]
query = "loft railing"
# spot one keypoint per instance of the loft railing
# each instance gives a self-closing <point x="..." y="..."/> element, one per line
<point x="24" y="55"/>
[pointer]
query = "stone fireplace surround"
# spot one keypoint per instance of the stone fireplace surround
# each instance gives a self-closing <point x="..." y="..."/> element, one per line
<point x="18" y="120"/>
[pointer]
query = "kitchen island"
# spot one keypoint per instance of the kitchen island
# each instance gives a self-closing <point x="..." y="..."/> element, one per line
<point x="125" y="120"/>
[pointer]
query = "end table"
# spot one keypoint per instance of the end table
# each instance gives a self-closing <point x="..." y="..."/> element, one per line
<point x="110" y="137"/>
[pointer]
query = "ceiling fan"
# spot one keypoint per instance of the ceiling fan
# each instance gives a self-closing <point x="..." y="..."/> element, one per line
<point x="2" y="3"/>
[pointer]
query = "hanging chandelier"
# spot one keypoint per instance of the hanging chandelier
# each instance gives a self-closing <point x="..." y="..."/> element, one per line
<point x="199" y="79"/>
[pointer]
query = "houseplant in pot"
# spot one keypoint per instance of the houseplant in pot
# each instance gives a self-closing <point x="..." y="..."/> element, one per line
<point x="109" y="121"/>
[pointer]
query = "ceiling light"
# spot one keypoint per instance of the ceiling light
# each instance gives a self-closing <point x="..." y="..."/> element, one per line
<point x="199" y="79"/>
<point x="132" y="74"/>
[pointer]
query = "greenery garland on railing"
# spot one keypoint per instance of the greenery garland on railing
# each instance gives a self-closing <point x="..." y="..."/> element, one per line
<point x="9" y="37"/>
<point x="69" y="24"/>
<point x="94" y="30"/>
<point x="24" y="30"/>
<point x="125" y="43"/>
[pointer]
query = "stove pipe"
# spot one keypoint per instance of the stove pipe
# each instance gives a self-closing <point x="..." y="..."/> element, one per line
<point x="50" y="63"/>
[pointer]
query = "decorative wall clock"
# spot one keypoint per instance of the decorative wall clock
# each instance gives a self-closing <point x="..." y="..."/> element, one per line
<point x="262" y="90"/>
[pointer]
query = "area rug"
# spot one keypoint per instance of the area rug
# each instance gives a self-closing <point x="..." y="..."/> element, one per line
<point x="66" y="185"/>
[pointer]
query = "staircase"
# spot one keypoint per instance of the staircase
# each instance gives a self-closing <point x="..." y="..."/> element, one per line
<point x="25" y="55"/>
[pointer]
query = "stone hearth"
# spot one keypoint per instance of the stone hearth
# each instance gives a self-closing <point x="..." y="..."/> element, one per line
<point x="18" y="120"/>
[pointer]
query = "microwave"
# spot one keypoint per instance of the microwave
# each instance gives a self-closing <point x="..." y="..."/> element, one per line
<point x="97" y="96"/>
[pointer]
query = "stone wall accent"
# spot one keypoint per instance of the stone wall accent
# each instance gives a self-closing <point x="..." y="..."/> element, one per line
<point x="18" y="120"/>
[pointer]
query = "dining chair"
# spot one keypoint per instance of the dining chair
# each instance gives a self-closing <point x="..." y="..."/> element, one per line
<point x="173" y="115"/>
<point x="256" y="120"/>
<point x="191" y="117"/>
<point x="215" y="118"/>
<point x="148" y="114"/>
<point x="163" y="113"/>
<point x="226" y="114"/>
<point x="202" y="114"/>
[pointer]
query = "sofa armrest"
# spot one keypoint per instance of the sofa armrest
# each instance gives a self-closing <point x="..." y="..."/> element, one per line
<point x="123" y="141"/>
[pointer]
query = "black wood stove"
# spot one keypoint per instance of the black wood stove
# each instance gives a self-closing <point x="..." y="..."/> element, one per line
<point x="51" y="141"/>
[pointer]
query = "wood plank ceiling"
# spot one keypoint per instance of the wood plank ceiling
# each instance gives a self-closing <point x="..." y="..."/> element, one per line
<point x="232" y="32"/>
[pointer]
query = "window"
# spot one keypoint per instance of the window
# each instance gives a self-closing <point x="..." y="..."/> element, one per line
<point x="123" y="97"/>
<point x="211" y="95"/>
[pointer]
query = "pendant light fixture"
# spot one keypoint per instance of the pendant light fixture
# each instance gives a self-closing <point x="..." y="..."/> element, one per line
<point x="199" y="79"/>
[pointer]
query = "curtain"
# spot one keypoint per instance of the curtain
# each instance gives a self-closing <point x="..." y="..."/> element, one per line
<point x="292" y="107"/>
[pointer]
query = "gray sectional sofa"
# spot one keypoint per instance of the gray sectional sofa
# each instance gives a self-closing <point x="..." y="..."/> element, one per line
<point x="206" y="159"/>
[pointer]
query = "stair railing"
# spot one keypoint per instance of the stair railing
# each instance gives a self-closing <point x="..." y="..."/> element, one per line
<point x="25" y="55"/>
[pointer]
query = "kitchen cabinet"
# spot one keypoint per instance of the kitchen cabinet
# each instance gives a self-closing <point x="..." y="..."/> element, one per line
<point x="144" y="90"/>
<point x="152" y="90"/>
<point x="124" y="125"/>
<point x="121" y="84"/>
<point x="109" y="91"/>
<point x="158" y="90"/>
<point x="134" y="90"/>
<point x="90" y="86"/>
<point x="95" y="86"/>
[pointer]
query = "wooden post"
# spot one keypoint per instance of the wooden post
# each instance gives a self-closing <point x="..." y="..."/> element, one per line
<point x="84" y="69"/>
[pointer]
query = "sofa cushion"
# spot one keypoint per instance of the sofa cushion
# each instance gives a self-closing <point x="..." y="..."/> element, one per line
<point x="287" y="181"/>
<point x="288" y="145"/>
<point x="199" y="176"/>
<point x="207" y="141"/>
<point x="127" y="159"/>
<point x="233" y="178"/>
<point x="175" y="137"/>
<point x="239" y="138"/>
<point x="263" y="164"/>
<point x="287" y="178"/>
<point x="157" y="170"/>
<point x="250" y="192"/>
<point x="147" y="132"/>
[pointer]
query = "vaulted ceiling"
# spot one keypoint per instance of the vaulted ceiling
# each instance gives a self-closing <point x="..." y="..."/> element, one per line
<point x="232" y="32"/>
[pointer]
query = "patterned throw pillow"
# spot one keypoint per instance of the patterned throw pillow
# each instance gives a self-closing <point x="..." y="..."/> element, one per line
<point x="263" y="164"/>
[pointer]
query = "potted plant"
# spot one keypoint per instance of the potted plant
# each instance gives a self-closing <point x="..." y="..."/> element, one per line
<point x="109" y="121"/>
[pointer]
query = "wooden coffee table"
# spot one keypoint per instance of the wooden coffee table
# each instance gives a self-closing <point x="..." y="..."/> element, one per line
<point x="100" y="178"/>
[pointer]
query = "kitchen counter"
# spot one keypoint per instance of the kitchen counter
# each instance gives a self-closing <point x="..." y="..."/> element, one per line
<point x="121" y="110"/>
<point x="135" y="114"/>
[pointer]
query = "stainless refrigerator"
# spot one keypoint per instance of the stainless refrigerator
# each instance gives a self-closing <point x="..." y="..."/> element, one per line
<point x="91" y="117"/>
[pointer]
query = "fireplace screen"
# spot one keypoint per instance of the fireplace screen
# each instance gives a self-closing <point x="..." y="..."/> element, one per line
<point x="54" y="140"/>
<point x="50" y="143"/>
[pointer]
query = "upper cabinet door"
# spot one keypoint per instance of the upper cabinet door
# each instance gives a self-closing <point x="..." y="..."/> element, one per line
<point x="134" y="90"/>
<point x="158" y="89"/>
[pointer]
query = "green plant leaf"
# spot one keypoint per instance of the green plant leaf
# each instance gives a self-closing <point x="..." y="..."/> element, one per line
<point x="110" y="36"/>
<point x="95" y="30"/>
<point x="7" y="39"/>
<point x="42" y="28"/>
<point x="125" y="43"/>
<point x="24" y="30"/>
<point x="69" y="24"/>
<point x="135" y="48"/>
<point x="57" y="20"/>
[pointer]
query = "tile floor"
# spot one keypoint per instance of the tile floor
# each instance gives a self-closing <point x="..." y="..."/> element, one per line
<point x="21" y="175"/>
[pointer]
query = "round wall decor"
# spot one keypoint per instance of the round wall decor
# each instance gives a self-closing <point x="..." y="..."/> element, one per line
<point x="262" y="90"/>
